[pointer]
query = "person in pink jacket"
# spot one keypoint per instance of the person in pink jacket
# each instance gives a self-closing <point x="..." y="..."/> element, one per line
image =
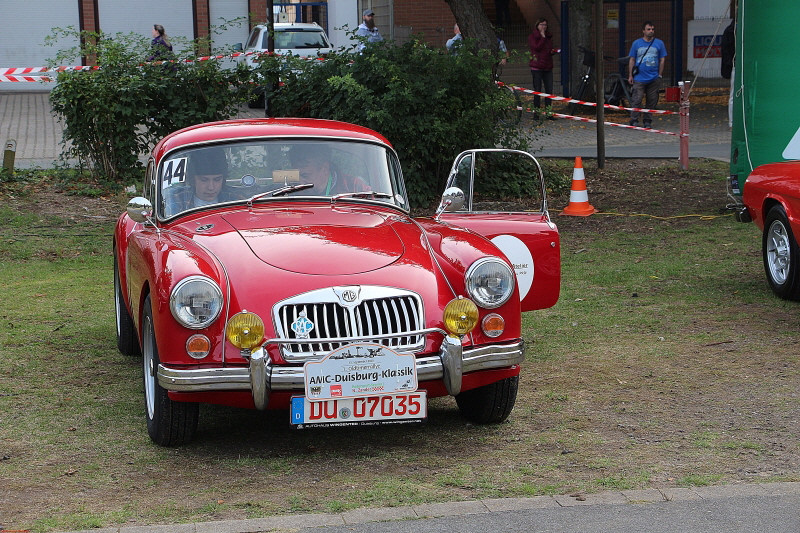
<point x="541" y="45"/>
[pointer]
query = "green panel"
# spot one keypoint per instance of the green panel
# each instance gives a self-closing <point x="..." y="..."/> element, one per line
<point x="766" y="116"/>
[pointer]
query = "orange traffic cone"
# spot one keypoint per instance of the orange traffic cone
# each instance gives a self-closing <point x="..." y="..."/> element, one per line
<point x="579" y="205"/>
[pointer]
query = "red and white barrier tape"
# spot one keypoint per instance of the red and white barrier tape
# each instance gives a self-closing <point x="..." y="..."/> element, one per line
<point x="13" y="73"/>
<point x="37" y="70"/>
<point x="582" y="102"/>
<point x="594" y="121"/>
<point x="25" y="78"/>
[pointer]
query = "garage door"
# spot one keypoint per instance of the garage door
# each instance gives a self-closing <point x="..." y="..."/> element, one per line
<point x="139" y="17"/>
<point x="221" y="11"/>
<point x="25" y="26"/>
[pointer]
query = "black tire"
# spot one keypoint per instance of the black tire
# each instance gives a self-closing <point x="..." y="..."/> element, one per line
<point x="490" y="404"/>
<point x="518" y="109"/>
<point x="127" y="340"/>
<point x="169" y="423"/>
<point x="781" y="255"/>
<point x="580" y="94"/>
<point x="613" y="90"/>
<point x="257" y="102"/>
<point x="512" y="115"/>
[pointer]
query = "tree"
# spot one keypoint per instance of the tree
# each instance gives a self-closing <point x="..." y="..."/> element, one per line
<point x="473" y="23"/>
<point x="580" y="33"/>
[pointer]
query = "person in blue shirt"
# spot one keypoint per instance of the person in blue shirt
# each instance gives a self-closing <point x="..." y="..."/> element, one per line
<point x="368" y="29"/>
<point x="645" y="67"/>
<point x="455" y="41"/>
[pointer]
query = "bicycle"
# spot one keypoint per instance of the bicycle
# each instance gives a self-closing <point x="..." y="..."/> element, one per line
<point x="616" y="89"/>
<point x="514" y="114"/>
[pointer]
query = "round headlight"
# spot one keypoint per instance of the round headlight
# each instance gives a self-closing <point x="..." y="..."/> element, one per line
<point x="460" y="316"/>
<point x="490" y="282"/>
<point x="196" y="302"/>
<point x="245" y="330"/>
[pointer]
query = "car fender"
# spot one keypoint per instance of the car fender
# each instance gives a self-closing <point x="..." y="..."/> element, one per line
<point x="530" y="243"/>
<point x="770" y="184"/>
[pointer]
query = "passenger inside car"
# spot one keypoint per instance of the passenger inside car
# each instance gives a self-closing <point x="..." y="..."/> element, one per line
<point x="313" y="161"/>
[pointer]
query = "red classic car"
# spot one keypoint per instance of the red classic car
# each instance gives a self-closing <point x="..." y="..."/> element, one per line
<point x="273" y="264"/>
<point x="771" y="198"/>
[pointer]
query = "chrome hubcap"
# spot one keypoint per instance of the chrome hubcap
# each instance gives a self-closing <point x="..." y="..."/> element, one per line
<point x="778" y="250"/>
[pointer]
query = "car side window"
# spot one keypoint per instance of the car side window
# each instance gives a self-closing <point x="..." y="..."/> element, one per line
<point x="149" y="190"/>
<point x="506" y="181"/>
<point x="252" y="41"/>
<point x="463" y="180"/>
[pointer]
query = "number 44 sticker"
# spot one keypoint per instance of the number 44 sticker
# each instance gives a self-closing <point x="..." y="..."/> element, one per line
<point x="173" y="171"/>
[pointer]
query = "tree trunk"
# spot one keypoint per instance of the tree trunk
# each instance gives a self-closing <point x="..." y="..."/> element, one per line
<point x="473" y="23"/>
<point x="580" y="33"/>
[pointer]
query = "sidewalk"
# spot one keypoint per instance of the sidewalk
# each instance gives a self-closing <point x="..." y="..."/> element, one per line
<point x="27" y="118"/>
<point x="765" y="508"/>
<point x="709" y="135"/>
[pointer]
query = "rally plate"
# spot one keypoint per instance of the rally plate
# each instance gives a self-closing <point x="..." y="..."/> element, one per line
<point x="407" y="408"/>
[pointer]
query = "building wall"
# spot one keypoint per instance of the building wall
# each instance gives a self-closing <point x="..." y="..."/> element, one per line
<point x="432" y="19"/>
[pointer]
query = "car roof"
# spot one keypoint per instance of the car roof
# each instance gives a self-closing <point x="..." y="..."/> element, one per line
<point x="229" y="130"/>
<point x="301" y="26"/>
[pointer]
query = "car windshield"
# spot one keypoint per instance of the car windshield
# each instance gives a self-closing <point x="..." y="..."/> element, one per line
<point x="287" y="39"/>
<point x="279" y="169"/>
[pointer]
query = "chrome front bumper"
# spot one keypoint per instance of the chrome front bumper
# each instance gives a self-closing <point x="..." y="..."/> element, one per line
<point x="262" y="377"/>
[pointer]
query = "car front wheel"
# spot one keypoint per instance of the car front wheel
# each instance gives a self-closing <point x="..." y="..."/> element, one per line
<point x="781" y="255"/>
<point x="169" y="423"/>
<point x="490" y="404"/>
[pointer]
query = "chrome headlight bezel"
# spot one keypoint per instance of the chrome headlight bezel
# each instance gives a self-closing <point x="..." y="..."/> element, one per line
<point x="490" y="282"/>
<point x="190" y="288"/>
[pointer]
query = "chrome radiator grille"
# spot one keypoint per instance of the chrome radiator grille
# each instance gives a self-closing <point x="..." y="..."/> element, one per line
<point x="345" y="312"/>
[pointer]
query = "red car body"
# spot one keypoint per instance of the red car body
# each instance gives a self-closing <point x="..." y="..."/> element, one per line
<point x="771" y="197"/>
<point x="290" y="259"/>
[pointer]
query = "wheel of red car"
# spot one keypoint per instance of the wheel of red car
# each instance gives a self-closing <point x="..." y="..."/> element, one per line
<point x="781" y="255"/>
<point x="127" y="342"/>
<point x="169" y="423"/>
<point x="491" y="403"/>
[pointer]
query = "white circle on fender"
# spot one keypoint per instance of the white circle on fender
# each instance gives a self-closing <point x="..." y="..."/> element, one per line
<point x="519" y="255"/>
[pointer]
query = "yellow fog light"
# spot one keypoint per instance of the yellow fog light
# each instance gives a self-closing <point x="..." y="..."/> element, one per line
<point x="198" y="346"/>
<point x="245" y="330"/>
<point x="460" y="316"/>
<point x="493" y="325"/>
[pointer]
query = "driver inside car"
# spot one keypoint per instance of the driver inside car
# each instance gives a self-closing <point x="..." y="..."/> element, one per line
<point x="206" y="174"/>
<point x="313" y="161"/>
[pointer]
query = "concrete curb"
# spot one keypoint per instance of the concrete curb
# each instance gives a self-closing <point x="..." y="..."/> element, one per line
<point x="286" y="523"/>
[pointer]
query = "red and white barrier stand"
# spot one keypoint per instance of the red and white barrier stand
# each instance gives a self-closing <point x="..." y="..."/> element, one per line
<point x="685" y="87"/>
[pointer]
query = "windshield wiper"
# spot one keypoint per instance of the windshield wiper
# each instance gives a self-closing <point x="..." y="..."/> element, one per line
<point x="360" y="194"/>
<point x="279" y="192"/>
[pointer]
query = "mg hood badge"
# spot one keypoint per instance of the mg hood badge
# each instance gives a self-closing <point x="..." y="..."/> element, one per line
<point x="348" y="296"/>
<point x="302" y="327"/>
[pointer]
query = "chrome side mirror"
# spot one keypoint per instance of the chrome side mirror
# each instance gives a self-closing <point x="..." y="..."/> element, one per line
<point x="140" y="209"/>
<point x="237" y="47"/>
<point x="452" y="200"/>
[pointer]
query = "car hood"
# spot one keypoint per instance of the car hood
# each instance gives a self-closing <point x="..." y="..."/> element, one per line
<point x="319" y="240"/>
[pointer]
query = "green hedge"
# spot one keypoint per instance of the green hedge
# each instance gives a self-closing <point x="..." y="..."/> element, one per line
<point x="429" y="104"/>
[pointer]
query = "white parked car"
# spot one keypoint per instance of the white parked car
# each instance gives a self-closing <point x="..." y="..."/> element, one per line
<point x="304" y="39"/>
